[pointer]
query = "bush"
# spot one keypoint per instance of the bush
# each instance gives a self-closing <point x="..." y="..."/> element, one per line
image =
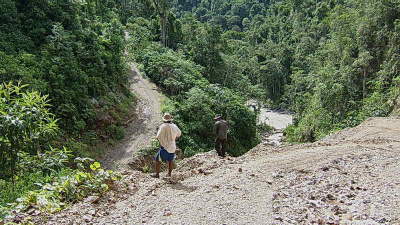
<point x="67" y="186"/>
<point x="50" y="161"/>
<point x="170" y="71"/>
<point x="264" y="128"/>
<point x="26" y="125"/>
<point x="33" y="171"/>
<point x="10" y="191"/>
<point x="116" y="132"/>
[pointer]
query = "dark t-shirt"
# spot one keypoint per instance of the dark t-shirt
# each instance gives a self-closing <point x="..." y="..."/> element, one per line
<point x="221" y="129"/>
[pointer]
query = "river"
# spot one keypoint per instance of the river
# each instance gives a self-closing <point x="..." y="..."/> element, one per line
<point x="277" y="119"/>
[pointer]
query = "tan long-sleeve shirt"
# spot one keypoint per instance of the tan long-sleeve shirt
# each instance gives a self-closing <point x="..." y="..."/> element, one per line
<point x="167" y="135"/>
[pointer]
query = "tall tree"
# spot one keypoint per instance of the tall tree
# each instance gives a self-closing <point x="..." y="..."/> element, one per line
<point x="162" y="8"/>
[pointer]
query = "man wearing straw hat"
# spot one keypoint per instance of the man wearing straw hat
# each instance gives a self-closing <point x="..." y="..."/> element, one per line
<point x="166" y="135"/>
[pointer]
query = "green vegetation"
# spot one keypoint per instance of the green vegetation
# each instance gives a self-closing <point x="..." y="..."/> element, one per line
<point x="55" y="192"/>
<point x="32" y="172"/>
<point x="26" y="125"/>
<point x="199" y="74"/>
<point x="63" y="85"/>
<point x="71" y="51"/>
<point x="64" y="77"/>
<point x="333" y="62"/>
<point x="195" y="101"/>
<point x="341" y="61"/>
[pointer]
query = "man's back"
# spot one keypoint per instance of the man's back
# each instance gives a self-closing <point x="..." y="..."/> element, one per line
<point x="221" y="129"/>
<point x="167" y="134"/>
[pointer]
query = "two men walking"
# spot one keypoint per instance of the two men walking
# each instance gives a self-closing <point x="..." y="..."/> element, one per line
<point x="168" y="133"/>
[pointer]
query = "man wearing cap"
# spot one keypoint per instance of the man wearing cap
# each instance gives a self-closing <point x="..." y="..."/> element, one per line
<point x="221" y="128"/>
<point x="166" y="135"/>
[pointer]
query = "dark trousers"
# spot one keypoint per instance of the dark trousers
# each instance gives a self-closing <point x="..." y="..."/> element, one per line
<point x="220" y="146"/>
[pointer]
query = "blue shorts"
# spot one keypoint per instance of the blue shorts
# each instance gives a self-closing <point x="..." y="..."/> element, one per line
<point x="163" y="155"/>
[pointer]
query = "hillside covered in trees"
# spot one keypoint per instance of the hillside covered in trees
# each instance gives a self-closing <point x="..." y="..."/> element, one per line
<point x="334" y="63"/>
<point x="64" y="74"/>
<point x="64" y="82"/>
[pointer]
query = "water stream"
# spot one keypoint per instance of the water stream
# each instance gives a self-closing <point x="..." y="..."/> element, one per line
<point x="276" y="119"/>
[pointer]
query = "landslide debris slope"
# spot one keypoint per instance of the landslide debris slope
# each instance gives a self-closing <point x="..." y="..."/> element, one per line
<point x="351" y="177"/>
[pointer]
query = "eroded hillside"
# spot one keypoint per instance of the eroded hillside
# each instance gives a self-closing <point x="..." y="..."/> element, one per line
<point x="348" y="178"/>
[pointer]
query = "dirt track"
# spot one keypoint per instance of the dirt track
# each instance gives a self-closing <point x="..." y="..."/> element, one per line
<point x="349" y="178"/>
<point x="142" y="129"/>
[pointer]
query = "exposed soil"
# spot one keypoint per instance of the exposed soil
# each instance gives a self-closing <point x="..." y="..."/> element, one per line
<point x="351" y="177"/>
<point x="143" y="128"/>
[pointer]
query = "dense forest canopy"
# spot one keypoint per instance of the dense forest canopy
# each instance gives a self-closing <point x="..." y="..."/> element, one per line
<point x="63" y="77"/>
<point x="70" y="50"/>
<point x="332" y="62"/>
<point x="64" y="72"/>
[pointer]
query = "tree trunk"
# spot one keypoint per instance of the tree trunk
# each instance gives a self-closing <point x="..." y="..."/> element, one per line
<point x="163" y="29"/>
<point x="364" y="84"/>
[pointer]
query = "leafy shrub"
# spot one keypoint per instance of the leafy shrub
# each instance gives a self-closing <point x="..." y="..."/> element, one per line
<point x="33" y="170"/>
<point x="170" y="71"/>
<point x="117" y="132"/>
<point x="264" y="128"/>
<point x="317" y="123"/>
<point x="10" y="191"/>
<point x="26" y="125"/>
<point x="196" y="112"/>
<point x="50" y="161"/>
<point x="68" y="187"/>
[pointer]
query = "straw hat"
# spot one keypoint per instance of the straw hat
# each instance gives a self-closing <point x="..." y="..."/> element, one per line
<point x="218" y="117"/>
<point x="167" y="117"/>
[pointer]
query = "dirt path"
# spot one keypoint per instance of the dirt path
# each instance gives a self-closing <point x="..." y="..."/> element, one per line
<point x="348" y="178"/>
<point x="142" y="129"/>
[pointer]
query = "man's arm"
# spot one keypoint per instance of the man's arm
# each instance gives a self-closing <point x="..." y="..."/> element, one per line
<point x="159" y="133"/>
<point x="178" y="131"/>
<point x="216" y="128"/>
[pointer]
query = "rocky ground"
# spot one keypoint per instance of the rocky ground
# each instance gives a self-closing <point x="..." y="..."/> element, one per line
<point x="351" y="177"/>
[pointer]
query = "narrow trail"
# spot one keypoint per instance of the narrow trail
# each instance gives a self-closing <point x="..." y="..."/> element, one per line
<point x="140" y="132"/>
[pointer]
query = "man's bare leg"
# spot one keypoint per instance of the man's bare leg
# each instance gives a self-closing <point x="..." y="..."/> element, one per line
<point x="158" y="168"/>
<point x="170" y="167"/>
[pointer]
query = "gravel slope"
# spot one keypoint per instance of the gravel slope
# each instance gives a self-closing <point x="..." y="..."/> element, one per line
<point x="351" y="177"/>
